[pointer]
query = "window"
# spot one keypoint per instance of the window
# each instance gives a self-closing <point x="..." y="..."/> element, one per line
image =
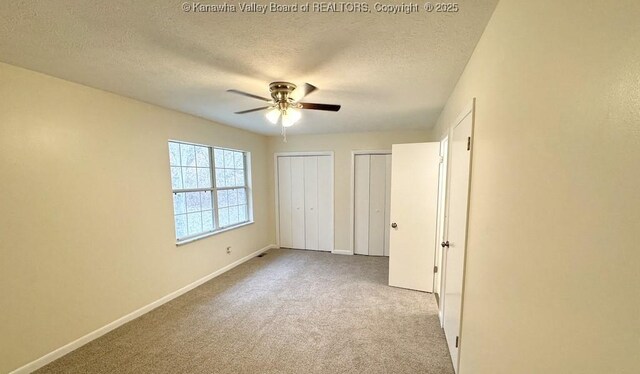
<point x="210" y="189"/>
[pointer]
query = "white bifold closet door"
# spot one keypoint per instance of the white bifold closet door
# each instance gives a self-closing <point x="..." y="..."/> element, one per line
<point x="297" y="203"/>
<point x="371" y="204"/>
<point x="305" y="202"/>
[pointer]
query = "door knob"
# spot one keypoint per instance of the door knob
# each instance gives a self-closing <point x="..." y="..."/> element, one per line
<point x="394" y="225"/>
<point x="445" y="244"/>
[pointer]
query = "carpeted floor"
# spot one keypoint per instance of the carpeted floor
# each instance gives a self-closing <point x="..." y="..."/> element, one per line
<point x="287" y="312"/>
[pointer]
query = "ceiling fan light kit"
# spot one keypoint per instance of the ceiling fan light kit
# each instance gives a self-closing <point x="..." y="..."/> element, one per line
<point x="285" y="104"/>
<point x="273" y="115"/>
<point x="290" y="117"/>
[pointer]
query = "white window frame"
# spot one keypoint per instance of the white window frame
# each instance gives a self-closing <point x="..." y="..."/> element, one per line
<point x="217" y="229"/>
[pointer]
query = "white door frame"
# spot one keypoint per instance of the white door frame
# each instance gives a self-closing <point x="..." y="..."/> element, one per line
<point x="353" y="190"/>
<point x="469" y="110"/>
<point x="277" y="190"/>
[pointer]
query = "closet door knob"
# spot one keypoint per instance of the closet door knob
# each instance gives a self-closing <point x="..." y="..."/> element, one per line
<point x="394" y="225"/>
<point x="445" y="244"/>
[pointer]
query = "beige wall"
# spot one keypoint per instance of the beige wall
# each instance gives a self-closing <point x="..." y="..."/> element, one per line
<point x="553" y="261"/>
<point x="86" y="230"/>
<point x="341" y="145"/>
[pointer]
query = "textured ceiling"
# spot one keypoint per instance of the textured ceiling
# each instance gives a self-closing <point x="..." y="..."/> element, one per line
<point x="387" y="71"/>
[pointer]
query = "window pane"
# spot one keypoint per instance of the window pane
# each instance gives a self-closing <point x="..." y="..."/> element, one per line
<point x="222" y="199"/>
<point x="218" y="155"/>
<point x="179" y="206"/>
<point x="204" y="178"/>
<point x="174" y="154"/>
<point x="240" y="178"/>
<point x="188" y="155"/>
<point x="207" y="220"/>
<point x="194" y="221"/>
<point x="205" y="200"/>
<point x="233" y="215"/>
<point x="242" y="196"/>
<point x="239" y="160"/>
<point x="191" y="168"/>
<point x="232" y="197"/>
<point x="202" y="156"/>
<point x="181" y="226"/>
<point x="223" y="216"/>
<point x="193" y="201"/>
<point x="190" y="177"/>
<point x="220" y="180"/>
<point x="229" y="177"/>
<point x="242" y="213"/>
<point x="176" y="178"/>
<point x="229" y="159"/>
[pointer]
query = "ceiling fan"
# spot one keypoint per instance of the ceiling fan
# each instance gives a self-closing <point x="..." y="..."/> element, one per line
<point x="285" y="103"/>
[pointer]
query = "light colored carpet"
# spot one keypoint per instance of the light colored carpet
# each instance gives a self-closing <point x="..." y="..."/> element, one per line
<point x="287" y="312"/>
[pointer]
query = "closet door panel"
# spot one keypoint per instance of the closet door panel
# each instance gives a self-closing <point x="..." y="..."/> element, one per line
<point x="387" y="204"/>
<point x="297" y="203"/>
<point x="377" y="187"/>
<point x="361" y="205"/>
<point x="284" y="201"/>
<point x="311" y="202"/>
<point x="325" y="203"/>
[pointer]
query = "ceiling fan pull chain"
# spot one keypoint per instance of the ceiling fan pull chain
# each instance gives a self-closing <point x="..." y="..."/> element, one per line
<point x="284" y="134"/>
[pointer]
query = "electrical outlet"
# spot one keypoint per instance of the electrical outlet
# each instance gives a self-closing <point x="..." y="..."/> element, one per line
<point x="228" y="250"/>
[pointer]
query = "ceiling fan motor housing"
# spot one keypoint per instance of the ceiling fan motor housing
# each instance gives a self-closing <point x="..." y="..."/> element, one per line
<point x="280" y="91"/>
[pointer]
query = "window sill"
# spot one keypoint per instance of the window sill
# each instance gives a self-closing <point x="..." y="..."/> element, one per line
<point x="187" y="241"/>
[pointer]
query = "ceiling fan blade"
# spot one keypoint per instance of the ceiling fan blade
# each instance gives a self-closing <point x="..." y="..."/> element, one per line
<point x="253" y="110"/>
<point x="249" y="95"/>
<point x="328" y="107"/>
<point x="302" y="91"/>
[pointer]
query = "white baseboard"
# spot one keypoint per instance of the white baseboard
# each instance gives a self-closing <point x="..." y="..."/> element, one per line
<point x="56" y="354"/>
<point x="341" y="252"/>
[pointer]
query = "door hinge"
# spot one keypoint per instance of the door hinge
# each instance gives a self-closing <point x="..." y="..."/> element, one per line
<point x="435" y="269"/>
<point x="441" y="159"/>
<point x="468" y="143"/>
<point x="457" y="341"/>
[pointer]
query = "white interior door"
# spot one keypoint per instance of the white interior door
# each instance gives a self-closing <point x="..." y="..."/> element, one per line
<point x="414" y="200"/>
<point x="442" y="196"/>
<point x="311" y="202"/>
<point x="284" y="201"/>
<point x="297" y="203"/>
<point x="377" y="186"/>
<point x="460" y="163"/>
<point x="387" y="206"/>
